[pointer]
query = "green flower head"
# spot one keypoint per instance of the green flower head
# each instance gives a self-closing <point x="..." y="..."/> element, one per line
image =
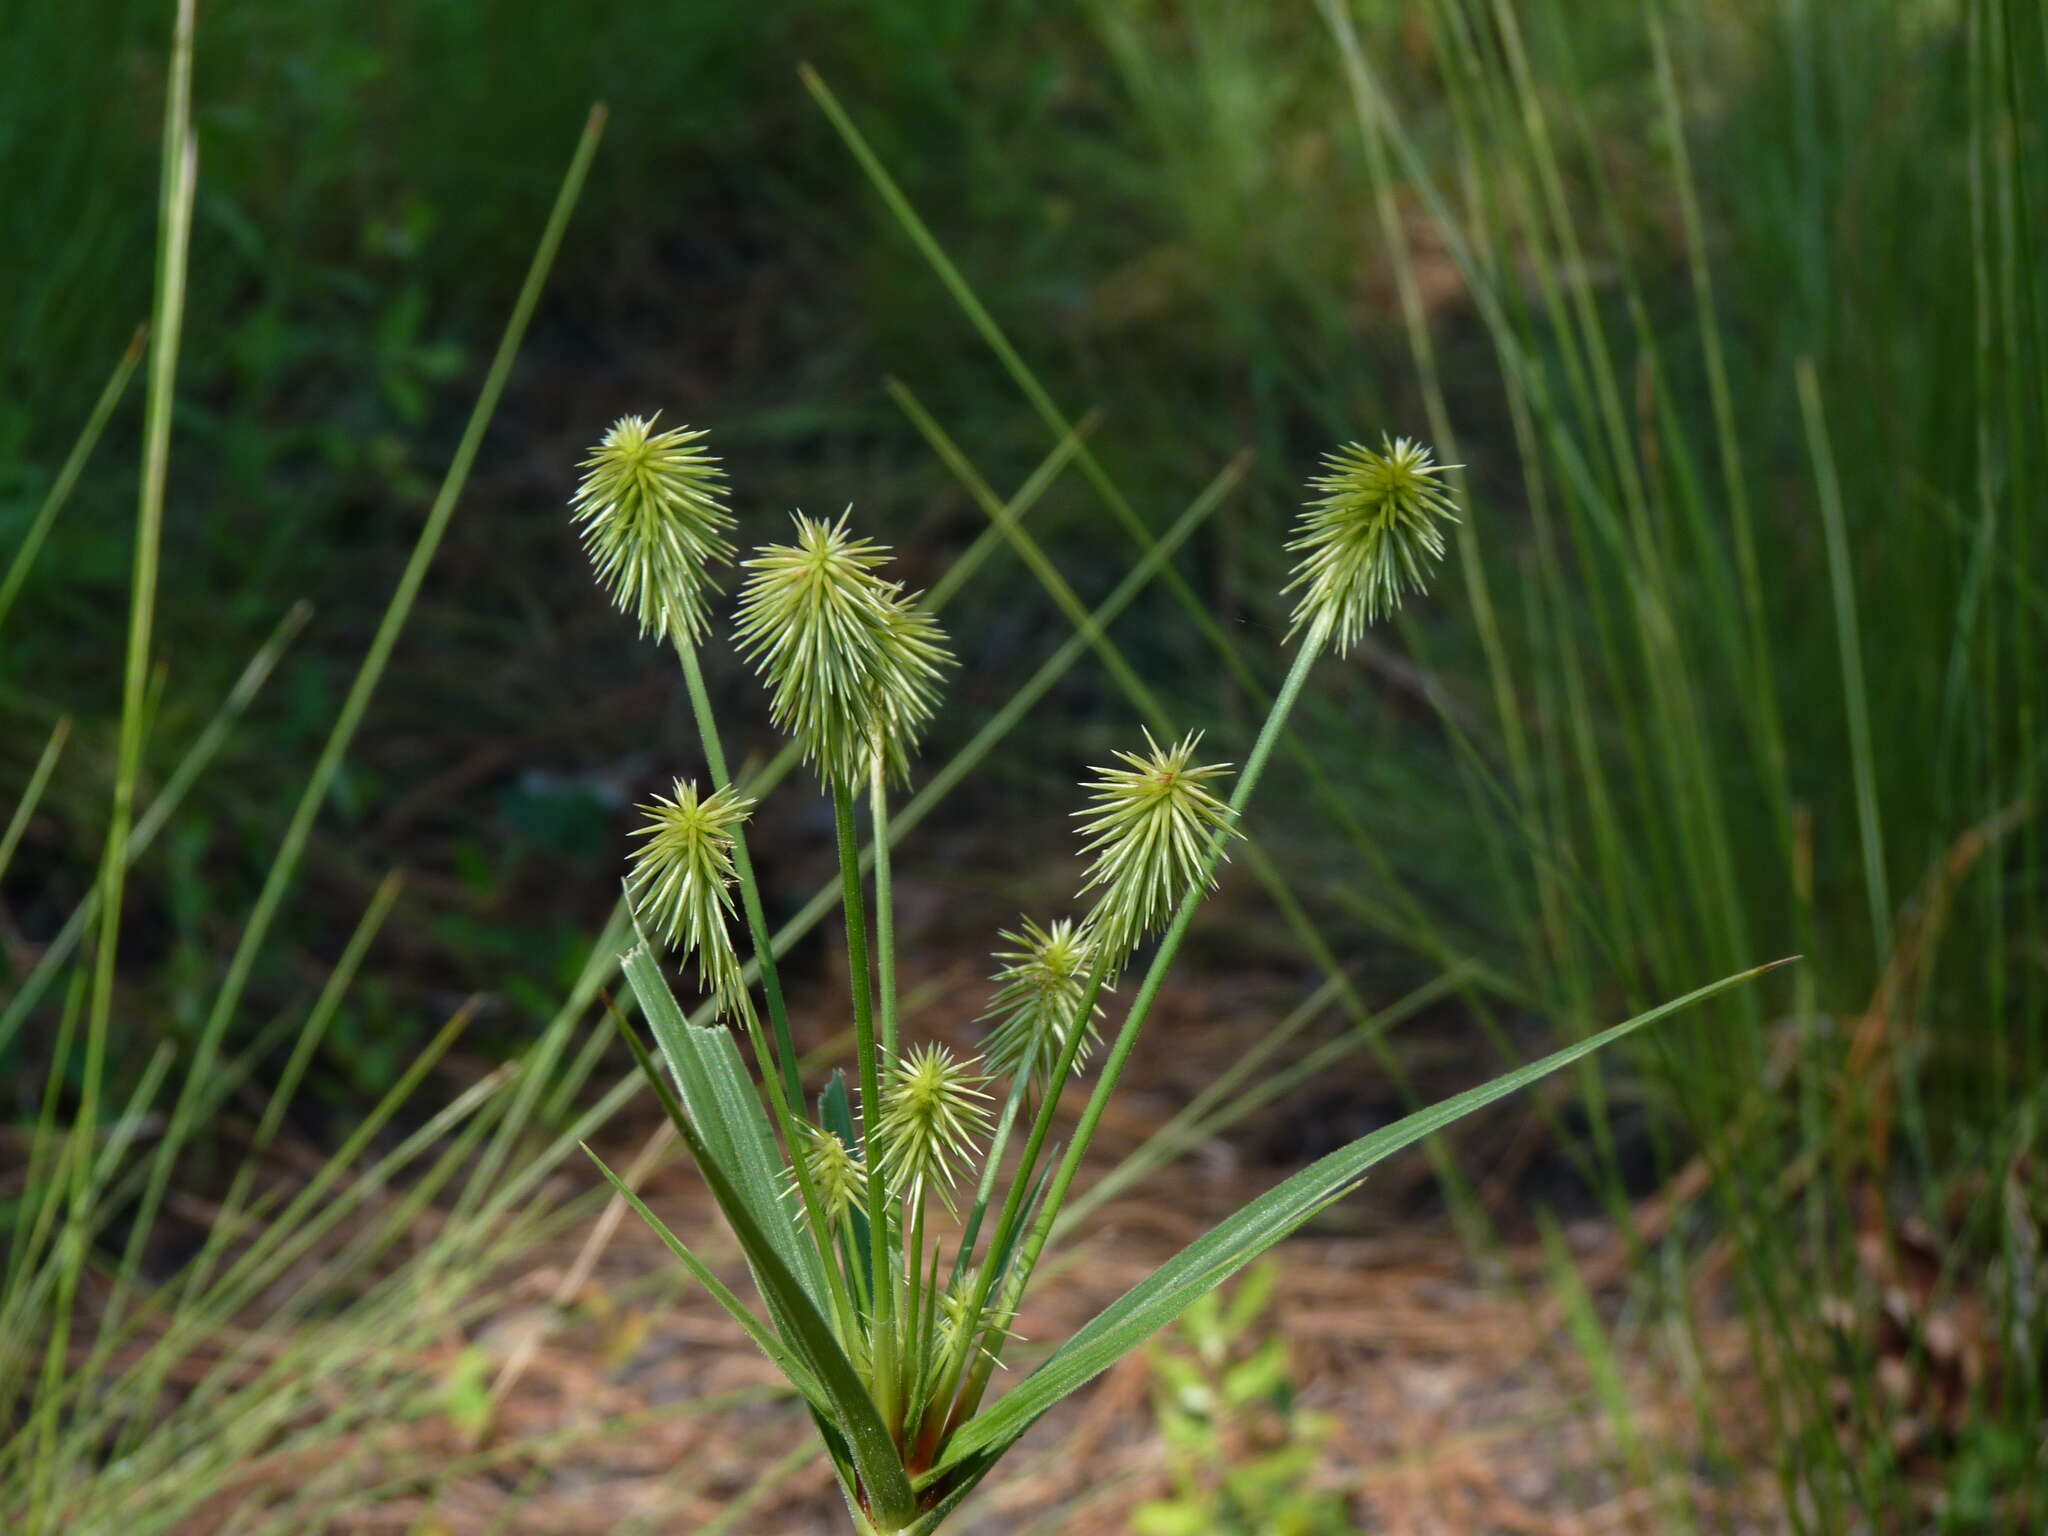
<point x="852" y="665"/>
<point x="681" y="882"/>
<point x="652" y="510"/>
<point x="1371" y="538"/>
<point x="1149" y="826"/>
<point x="956" y="1314"/>
<point x="838" y="1176"/>
<point x="905" y="694"/>
<point x="1040" y="985"/>
<point x="933" y="1109"/>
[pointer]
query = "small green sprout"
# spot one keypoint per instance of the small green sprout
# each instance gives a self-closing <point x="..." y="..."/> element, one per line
<point x="653" y="515"/>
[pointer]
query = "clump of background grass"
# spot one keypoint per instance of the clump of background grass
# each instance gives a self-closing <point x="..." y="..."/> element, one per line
<point x="134" y="1397"/>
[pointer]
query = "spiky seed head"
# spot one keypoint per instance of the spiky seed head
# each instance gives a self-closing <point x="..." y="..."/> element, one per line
<point x="838" y="1176"/>
<point x="653" y="516"/>
<point x="905" y="693"/>
<point x="1371" y="538"/>
<point x="852" y="665"/>
<point x="933" y="1110"/>
<point x="1041" y="982"/>
<point x="681" y="881"/>
<point x="1149" y="825"/>
<point x="956" y="1313"/>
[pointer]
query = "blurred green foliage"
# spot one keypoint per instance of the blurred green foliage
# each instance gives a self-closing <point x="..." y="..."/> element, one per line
<point x="1241" y="1455"/>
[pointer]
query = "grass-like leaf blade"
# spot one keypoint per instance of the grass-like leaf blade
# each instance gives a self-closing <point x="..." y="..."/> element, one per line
<point x="1231" y="1244"/>
<point x="726" y="1111"/>
<point x="868" y="1441"/>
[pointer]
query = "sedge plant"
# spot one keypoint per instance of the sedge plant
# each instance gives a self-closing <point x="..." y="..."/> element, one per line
<point x="892" y="1228"/>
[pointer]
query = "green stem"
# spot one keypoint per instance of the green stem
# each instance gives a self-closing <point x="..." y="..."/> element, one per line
<point x="881" y="1328"/>
<point x="174" y="235"/>
<point x="912" y="1311"/>
<point x="933" y="1416"/>
<point x="983" y="1192"/>
<point x="38" y="781"/>
<point x="885" y="912"/>
<point x="784" y="1058"/>
<point x="67" y="478"/>
<point x="1019" y="1274"/>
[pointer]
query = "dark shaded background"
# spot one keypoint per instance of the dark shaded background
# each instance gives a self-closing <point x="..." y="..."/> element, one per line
<point x="371" y="185"/>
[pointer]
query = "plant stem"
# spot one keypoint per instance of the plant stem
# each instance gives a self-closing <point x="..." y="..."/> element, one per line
<point x="885" y="912"/>
<point x="881" y="1331"/>
<point x="174" y="233"/>
<point x="806" y="1186"/>
<point x="67" y="478"/>
<point x="912" y="1274"/>
<point x="1018" y="1087"/>
<point x="784" y="1057"/>
<point x="38" y="781"/>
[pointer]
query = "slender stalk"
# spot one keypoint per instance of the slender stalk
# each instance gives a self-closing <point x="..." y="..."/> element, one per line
<point x="912" y="1311"/>
<point x="174" y="232"/>
<point x="1855" y="696"/>
<point x="885" y="993"/>
<point x="67" y="478"/>
<point x="885" y="913"/>
<point x="993" y="1165"/>
<point x="881" y="1327"/>
<point x="180" y="171"/>
<point x="31" y="797"/>
<point x="785" y="1057"/>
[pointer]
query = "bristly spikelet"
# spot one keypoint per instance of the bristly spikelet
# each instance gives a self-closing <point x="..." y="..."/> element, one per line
<point x="906" y="688"/>
<point x="852" y="665"/>
<point x="1149" y="826"/>
<point x="1041" y="984"/>
<point x="838" y="1176"/>
<point x="954" y="1312"/>
<point x="1371" y="538"/>
<point x="933" y="1109"/>
<point x="681" y="882"/>
<point x="653" y="516"/>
